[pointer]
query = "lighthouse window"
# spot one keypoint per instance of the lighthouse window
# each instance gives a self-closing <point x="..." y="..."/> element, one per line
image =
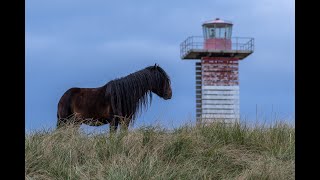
<point x="228" y="32"/>
<point x="209" y="32"/>
<point x="212" y="33"/>
<point x="219" y="33"/>
<point x="223" y="33"/>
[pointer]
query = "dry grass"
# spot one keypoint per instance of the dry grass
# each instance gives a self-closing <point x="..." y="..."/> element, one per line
<point x="210" y="152"/>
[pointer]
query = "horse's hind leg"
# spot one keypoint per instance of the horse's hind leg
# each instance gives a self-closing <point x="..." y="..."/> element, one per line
<point x="70" y="121"/>
<point x="64" y="109"/>
<point x="60" y="123"/>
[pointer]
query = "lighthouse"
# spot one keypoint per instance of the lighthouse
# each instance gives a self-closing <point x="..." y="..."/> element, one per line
<point x="217" y="56"/>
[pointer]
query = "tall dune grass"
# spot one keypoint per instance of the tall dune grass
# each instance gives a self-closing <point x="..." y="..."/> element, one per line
<point x="217" y="151"/>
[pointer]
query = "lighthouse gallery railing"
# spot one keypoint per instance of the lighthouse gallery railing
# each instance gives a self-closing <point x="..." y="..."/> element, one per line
<point x="198" y="43"/>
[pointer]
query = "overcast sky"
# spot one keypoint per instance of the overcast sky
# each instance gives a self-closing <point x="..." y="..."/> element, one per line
<point x="82" y="43"/>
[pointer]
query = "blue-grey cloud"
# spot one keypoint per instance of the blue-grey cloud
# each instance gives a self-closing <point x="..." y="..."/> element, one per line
<point x="87" y="43"/>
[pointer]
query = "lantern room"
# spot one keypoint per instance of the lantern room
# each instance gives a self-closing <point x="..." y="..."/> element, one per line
<point x="217" y="29"/>
<point x="216" y="41"/>
<point x="217" y="34"/>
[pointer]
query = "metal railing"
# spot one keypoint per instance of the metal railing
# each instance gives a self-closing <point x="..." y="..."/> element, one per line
<point x="198" y="43"/>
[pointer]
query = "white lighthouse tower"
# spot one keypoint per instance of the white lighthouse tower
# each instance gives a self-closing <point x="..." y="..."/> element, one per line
<point x="217" y="72"/>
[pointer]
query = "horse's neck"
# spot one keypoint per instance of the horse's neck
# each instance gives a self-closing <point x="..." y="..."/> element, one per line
<point x="138" y="92"/>
<point x="141" y="93"/>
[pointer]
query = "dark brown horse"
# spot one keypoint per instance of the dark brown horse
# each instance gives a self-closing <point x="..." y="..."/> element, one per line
<point x="118" y="101"/>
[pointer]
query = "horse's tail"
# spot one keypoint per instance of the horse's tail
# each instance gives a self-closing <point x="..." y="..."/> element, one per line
<point x="64" y="107"/>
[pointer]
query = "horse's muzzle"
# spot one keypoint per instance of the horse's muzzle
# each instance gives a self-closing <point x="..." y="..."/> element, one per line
<point x="166" y="97"/>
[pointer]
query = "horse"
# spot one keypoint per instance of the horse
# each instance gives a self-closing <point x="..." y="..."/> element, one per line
<point x="118" y="101"/>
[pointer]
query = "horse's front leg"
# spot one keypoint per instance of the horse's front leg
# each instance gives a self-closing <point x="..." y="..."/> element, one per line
<point x="114" y="125"/>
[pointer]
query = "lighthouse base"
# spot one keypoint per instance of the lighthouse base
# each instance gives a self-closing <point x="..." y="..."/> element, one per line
<point x="218" y="104"/>
<point x="217" y="92"/>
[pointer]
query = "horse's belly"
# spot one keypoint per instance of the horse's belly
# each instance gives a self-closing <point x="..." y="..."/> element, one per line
<point x="96" y="113"/>
<point x="93" y="114"/>
<point x="94" y="122"/>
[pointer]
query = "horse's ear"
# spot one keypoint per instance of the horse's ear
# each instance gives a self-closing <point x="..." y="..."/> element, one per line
<point x="155" y="66"/>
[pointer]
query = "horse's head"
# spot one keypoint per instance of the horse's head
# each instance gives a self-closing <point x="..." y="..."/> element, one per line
<point x="162" y="84"/>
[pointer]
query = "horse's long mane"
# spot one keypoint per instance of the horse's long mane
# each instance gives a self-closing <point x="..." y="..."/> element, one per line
<point x="129" y="94"/>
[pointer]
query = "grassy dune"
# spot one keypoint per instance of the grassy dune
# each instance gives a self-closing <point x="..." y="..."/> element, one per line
<point x="210" y="152"/>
